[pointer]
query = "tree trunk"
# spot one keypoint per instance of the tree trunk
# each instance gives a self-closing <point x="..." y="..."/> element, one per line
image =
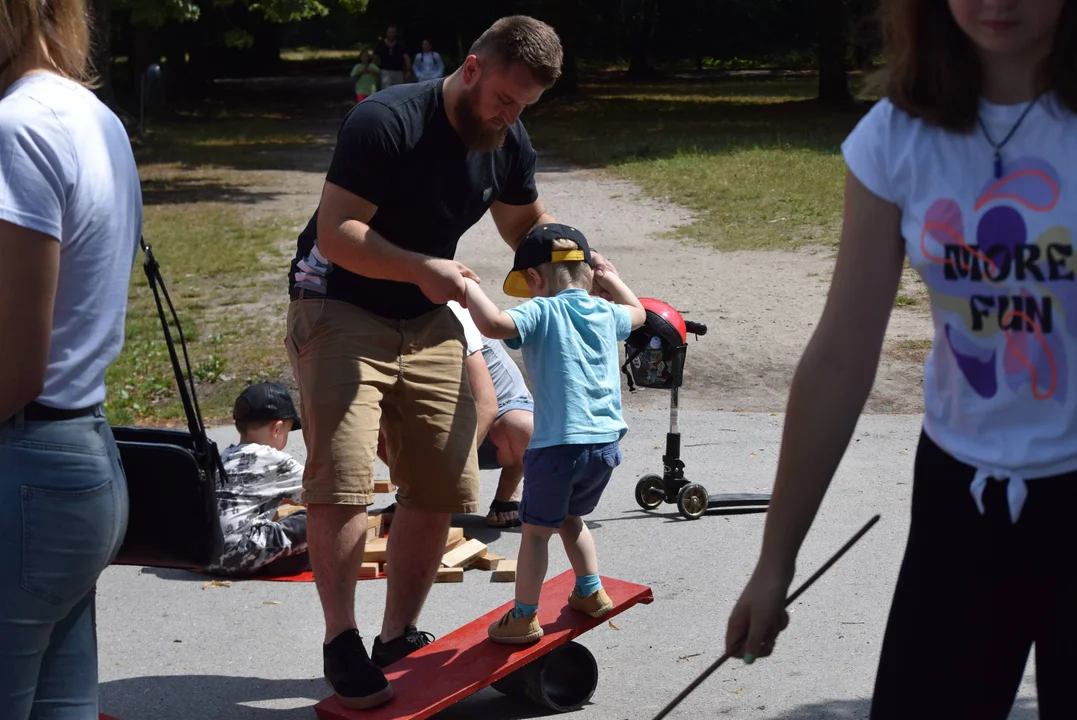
<point x="642" y="35"/>
<point x="100" y="54"/>
<point x="565" y="20"/>
<point x="833" y="40"/>
<point x="266" y="47"/>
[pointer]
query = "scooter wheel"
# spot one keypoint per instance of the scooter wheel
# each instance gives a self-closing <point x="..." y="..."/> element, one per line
<point x="692" y="501"/>
<point x="650" y="491"/>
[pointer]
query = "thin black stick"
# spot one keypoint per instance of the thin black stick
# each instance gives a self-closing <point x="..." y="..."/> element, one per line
<point x="789" y="601"/>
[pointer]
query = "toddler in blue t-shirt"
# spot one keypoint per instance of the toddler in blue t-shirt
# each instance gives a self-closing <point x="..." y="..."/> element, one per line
<point x="569" y="340"/>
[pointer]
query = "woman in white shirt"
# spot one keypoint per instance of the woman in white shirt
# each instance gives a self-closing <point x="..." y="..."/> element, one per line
<point x="968" y="169"/>
<point x="428" y="64"/>
<point x="70" y="219"/>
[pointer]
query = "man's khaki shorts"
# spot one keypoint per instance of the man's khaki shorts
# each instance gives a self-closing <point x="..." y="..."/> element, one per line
<point x="353" y="368"/>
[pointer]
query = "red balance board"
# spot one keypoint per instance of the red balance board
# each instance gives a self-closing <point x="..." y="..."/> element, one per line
<point x="465" y="661"/>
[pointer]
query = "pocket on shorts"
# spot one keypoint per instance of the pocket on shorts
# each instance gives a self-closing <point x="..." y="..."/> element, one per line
<point x="611" y="454"/>
<point x="67" y="537"/>
<point x="305" y="316"/>
<point x="550" y="461"/>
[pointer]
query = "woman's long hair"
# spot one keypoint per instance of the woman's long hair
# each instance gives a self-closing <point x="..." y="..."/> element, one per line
<point x="64" y="25"/>
<point x="932" y="70"/>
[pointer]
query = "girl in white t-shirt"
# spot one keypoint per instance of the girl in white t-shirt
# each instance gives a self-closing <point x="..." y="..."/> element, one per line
<point x="969" y="169"/>
<point x="70" y="220"/>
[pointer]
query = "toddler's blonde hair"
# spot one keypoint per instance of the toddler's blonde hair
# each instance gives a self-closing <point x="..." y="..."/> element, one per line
<point x="564" y="275"/>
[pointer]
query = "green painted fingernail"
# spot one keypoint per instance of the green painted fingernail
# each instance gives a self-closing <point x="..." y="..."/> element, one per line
<point x="749" y="658"/>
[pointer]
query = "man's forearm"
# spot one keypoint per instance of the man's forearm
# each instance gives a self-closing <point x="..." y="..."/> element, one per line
<point x="514" y="240"/>
<point x="357" y="247"/>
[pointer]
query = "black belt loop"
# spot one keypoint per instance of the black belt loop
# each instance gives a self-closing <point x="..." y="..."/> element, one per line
<point x="36" y="412"/>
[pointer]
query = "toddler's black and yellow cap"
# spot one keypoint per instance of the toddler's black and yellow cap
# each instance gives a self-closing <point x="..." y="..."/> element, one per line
<point x="537" y="249"/>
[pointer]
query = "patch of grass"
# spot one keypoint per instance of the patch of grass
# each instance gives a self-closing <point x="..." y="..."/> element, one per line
<point x="208" y="254"/>
<point x="230" y="131"/>
<point x="221" y="141"/>
<point x="757" y="160"/>
<point x="914" y="350"/>
<point x="309" y="54"/>
<point x="906" y="301"/>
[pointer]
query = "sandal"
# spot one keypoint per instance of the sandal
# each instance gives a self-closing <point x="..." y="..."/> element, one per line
<point x="504" y="506"/>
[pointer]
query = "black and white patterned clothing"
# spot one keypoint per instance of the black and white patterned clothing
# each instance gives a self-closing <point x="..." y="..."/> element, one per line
<point x="259" y="477"/>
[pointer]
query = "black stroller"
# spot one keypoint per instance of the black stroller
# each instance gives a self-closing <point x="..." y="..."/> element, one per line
<point x="654" y="358"/>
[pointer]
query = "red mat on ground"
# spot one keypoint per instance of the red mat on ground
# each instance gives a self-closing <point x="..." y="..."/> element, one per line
<point x="465" y="661"/>
<point x="102" y="716"/>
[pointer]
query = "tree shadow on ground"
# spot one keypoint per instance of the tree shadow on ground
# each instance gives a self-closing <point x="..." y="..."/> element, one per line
<point x="211" y="697"/>
<point x="597" y="133"/>
<point x="613" y="120"/>
<point x="275" y="123"/>
<point x="184" y="191"/>
<point x="215" y="697"/>
<point x="859" y="709"/>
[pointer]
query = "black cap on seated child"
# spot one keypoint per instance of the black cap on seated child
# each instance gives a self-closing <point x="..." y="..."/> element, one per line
<point x="537" y="249"/>
<point x="266" y="401"/>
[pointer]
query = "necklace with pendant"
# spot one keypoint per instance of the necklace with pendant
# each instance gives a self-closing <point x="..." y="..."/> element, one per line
<point x="998" y="146"/>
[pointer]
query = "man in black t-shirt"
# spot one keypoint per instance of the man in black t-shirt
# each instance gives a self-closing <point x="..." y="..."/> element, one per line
<point x="371" y="339"/>
<point x="393" y="59"/>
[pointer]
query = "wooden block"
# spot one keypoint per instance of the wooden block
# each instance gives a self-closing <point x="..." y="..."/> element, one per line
<point x="384" y="486"/>
<point x="455" y="538"/>
<point x="489" y="561"/>
<point x="450" y="574"/>
<point x="506" y="572"/>
<point x="369" y="569"/>
<point x="375" y="550"/>
<point x="373" y="524"/>
<point x="461" y="556"/>
<point x="286" y="509"/>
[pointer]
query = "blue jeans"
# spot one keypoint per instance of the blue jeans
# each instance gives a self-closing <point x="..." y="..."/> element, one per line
<point x="565" y="480"/>
<point x="63" y="515"/>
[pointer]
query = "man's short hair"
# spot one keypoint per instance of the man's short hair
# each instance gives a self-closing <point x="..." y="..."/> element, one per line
<point x="523" y="40"/>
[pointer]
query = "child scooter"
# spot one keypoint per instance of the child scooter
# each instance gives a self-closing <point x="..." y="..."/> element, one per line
<point x="655" y="355"/>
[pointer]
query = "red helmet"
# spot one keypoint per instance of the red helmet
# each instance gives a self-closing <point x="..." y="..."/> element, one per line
<point x="665" y="321"/>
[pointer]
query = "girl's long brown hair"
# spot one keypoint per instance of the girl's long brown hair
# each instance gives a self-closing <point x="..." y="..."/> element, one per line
<point x="63" y="24"/>
<point x="932" y="70"/>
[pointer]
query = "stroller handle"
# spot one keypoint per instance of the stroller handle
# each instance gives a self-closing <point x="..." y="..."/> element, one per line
<point x="695" y="328"/>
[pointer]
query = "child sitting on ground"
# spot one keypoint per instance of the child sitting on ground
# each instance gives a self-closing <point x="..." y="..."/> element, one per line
<point x="265" y="531"/>
<point x="569" y="340"/>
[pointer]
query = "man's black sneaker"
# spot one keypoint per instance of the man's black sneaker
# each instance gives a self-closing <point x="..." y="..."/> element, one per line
<point x="385" y="654"/>
<point x="358" y="682"/>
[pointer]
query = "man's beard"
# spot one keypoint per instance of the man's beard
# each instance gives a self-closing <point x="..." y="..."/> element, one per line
<point x="476" y="134"/>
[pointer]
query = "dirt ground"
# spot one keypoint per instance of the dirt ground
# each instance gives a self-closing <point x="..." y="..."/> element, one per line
<point x="760" y="306"/>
